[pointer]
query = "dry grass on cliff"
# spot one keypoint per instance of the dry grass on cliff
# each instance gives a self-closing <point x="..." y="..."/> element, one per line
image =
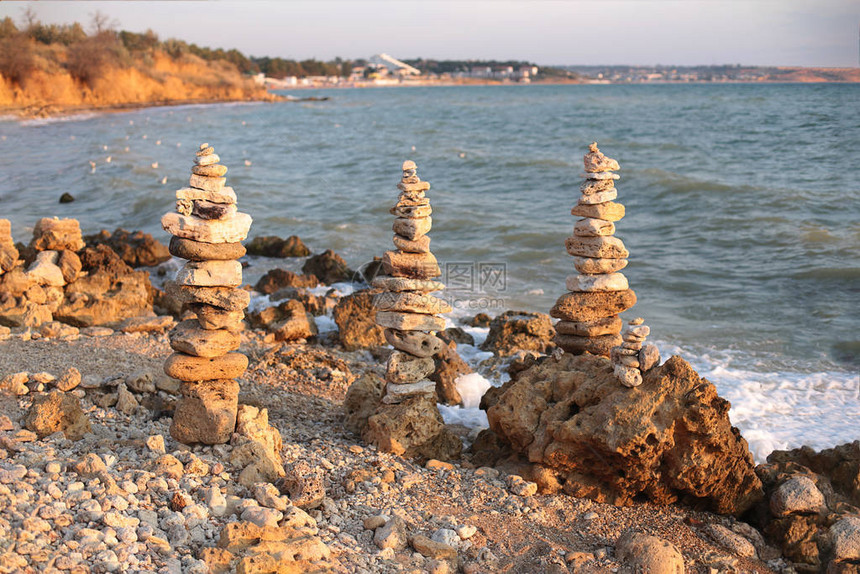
<point x="55" y="78"/>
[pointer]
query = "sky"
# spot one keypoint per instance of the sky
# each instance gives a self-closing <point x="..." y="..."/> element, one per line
<point x="822" y="33"/>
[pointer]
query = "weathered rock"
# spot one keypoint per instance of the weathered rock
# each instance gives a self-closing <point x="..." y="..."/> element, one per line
<point x="125" y="401"/>
<point x="842" y="543"/>
<point x="209" y="170"/>
<point x="409" y="321"/>
<point x="227" y="298"/>
<point x="70" y="265"/>
<point x="361" y="401"/>
<point x="649" y="357"/>
<point x="230" y="230"/>
<point x="8" y="251"/>
<point x="609" y="211"/>
<point x="412" y="229"/>
<point x="208" y="210"/>
<point x="304" y="485"/>
<point x="596" y="247"/>
<point x="191" y="369"/>
<point x="595" y="344"/>
<point x="840" y="464"/>
<point x="594" y="305"/>
<point x="147" y="324"/>
<point x="45" y="271"/>
<point x="57" y="234"/>
<point x="412" y="265"/>
<point x="602" y="282"/>
<point x="797" y="495"/>
<point x="593" y="265"/>
<point x="399" y="392"/>
<point x="670" y="439"/>
<point x="391" y="535"/>
<point x="515" y="330"/>
<point x="215" y="194"/>
<point x="206" y="183"/>
<point x="277" y="279"/>
<point x="403" y="368"/>
<point x="252" y="423"/>
<point x="419" y="245"/>
<point x="731" y="541"/>
<point x="189" y="338"/>
<point x="210" y="274"/>
<point x="591" y="227"/>
<point x="110" y="292"/>
<point x="200" y="251"/>
<point x="137" y="249"/>
<point x="289" y="321"/>
<point x="644" y="553"/>
<point x="69" y="380"/>
<point x="599" y="197"/>
<point x="414" y="342"/>
<point x="412" y="428"/>
<point x="55" y="412"/>
<point x="406" y="284"/>
<point x="594" y="328"/>
<point x="356" y="321"/>
<point x="410" y="302"/>
<point x="212" y="318"/>
<point x="328" y="266"/>
<point x="449" y="366"/>
<point x="206" y="413"/>
<point x="272" y="246"/>
<point x="431" y="548"/>
<point x="595" y="161"/>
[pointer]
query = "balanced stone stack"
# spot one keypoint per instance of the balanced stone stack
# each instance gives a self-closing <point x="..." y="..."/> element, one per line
<point x="634" y="357"/>
<point x="406" y="307"/>
<point x="598" y="293"/>
<point x="207" y="231"/>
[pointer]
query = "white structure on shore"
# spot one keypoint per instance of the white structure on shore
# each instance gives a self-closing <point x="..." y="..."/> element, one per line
<point x="393" y="65"/>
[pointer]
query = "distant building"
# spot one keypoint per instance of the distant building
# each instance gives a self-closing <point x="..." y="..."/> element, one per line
<point x="392" y="66"/>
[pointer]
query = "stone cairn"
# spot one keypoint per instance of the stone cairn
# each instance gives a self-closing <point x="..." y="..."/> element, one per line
<point x="207" y="231"/>
<point x="406" y="308"/>
<point x="634" y="357"/>
<point x="598" y="293"/>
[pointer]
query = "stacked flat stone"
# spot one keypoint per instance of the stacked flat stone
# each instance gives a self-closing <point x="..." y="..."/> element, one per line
<point x="634" y="357"/>
<point x="599" y="292"/>
<point x="406" y="307"/>
<point x="207" y="230"/>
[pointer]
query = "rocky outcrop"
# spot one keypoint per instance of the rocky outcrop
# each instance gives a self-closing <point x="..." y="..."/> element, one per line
<point x="356" y="321"/>
<point x="288" y="321"/>
<point x="809" y="509"/>
<point x="449" y="366"/>
<point x="278" y="279"/>
<point x="515" y="330"/>
<point x="272" y="246"/>
<point x="328" y="266"/>
<point x="109" y="292"/>
<point x="668" y="440"/>
<point x="135" y="248"/>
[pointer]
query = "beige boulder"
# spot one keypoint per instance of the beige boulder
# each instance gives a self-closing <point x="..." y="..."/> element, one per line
<point x="192" y="369"/>
<point x="597" y="247"/>
<point x="210" y="274"/>
<point x="230" y="230"/>
<point x="604" y="282"/>
<point x="189" y="338"/>
<point x="409" y="321"/>
<point x="206" y="413"/>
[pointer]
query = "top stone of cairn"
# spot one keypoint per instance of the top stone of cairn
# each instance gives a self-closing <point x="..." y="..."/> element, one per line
<point x="596" y="162"/>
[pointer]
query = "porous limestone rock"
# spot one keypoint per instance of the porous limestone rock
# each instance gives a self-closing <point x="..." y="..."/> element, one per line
<point x="519" y="330"/>
<point x="670" y="439"/>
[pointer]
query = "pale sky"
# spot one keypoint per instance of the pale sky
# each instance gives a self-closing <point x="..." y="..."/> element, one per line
<point x="577" y="32"/>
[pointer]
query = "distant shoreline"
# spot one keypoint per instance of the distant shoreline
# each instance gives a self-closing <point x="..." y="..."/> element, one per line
<point x="45" y="111"/>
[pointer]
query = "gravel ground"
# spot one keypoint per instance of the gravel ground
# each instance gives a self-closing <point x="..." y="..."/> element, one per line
<point x="61" y="512"/>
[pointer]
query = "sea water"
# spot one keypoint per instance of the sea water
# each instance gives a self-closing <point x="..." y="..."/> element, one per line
<point x="743" y="220"/>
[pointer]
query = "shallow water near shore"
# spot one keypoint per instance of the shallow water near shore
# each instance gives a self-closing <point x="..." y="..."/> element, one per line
<point x="743" y="215"/>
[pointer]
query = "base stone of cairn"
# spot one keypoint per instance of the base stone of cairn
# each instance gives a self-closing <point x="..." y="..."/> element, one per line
<point x="598" y="292"/>
<point x="207" y="230"/>
<point x="407" y="421"/>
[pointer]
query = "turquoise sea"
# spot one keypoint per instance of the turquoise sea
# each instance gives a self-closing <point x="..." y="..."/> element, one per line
<point x="743" y="206"/>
